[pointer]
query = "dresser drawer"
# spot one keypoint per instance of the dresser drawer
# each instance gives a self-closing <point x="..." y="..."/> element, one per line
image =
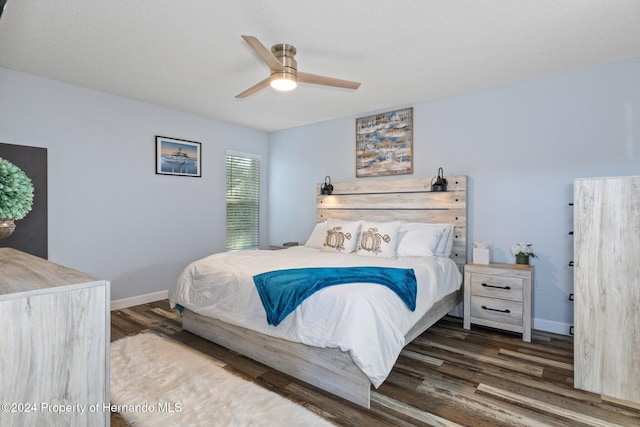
<point x="497" y="310"/>
<point x="492" y="286"/>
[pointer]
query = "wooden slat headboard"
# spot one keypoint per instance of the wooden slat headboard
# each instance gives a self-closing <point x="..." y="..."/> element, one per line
<point x="409" y="199"/>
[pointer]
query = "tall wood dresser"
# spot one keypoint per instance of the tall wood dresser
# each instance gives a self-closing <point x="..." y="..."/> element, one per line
<point x="54" y="344"/>
<point x="606" y="286"/>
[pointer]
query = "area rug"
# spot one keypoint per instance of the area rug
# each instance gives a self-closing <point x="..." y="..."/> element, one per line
<point x="159" y="382"/>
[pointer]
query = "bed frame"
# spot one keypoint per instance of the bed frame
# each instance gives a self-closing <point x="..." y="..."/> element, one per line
<point x="382" y="200"/>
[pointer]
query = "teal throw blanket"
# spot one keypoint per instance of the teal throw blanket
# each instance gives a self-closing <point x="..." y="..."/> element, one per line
<point x="281" y="291"/>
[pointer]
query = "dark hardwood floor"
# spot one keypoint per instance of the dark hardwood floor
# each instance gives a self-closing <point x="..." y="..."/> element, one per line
<point x="446" y="377"/>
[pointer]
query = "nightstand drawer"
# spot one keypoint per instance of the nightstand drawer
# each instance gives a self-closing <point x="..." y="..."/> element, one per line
<point x="493" y="286"/>
<point x="496" y="310"/>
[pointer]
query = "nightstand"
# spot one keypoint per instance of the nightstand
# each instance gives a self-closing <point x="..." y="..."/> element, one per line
<point x="285" y="245"/>
<point x="499" y="296"/>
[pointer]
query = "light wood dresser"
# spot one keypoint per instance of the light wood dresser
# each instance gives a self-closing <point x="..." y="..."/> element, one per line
<point x="607" y="293"/>
<point x="54" y="344"/>
<point x="498" y="296"/>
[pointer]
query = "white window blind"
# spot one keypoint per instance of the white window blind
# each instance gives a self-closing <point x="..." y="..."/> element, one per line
<point x="243" y="200"/>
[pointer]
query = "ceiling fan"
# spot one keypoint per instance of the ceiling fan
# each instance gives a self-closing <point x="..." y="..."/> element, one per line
<point x="284" y="70"/>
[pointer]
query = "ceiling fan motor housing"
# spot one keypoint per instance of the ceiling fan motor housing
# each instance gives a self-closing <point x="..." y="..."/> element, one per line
<point x="285" y="54"/>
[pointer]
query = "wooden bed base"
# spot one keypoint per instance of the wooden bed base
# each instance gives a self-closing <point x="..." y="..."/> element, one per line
<point x="408" y="199"/>
<point x="330" y="369"/>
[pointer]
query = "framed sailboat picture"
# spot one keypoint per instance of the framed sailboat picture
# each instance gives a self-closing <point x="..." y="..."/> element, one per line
<point x="384" y="144"/>
<point x="178" y="157"/>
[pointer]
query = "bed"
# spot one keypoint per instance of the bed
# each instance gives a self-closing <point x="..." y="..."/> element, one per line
<point x="342" y="339"/>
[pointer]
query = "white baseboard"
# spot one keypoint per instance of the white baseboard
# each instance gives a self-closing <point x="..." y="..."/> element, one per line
<point x="140" y="299"/>
<point x="551" y="326"/>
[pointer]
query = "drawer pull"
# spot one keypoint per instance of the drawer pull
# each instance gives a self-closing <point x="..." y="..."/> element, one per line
<point x="484" y="307"/>
<point x="497" y="287"/>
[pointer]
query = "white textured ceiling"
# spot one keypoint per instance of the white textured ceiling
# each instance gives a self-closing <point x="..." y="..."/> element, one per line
<point x="188" y="54"/>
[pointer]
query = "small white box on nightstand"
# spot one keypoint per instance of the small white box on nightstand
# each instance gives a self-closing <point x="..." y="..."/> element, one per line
<point x="481" y="256"/>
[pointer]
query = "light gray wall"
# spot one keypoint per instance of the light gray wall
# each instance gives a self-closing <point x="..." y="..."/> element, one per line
<point x="110" y="215"/>
<point x="521" y="145"/>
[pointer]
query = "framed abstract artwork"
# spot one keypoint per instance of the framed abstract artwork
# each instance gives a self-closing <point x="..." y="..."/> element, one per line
<point x="178" y="157"/>
<point x="384" y="144"/>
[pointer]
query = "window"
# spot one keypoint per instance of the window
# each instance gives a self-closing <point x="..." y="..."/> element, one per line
<point x="243" y="200"/>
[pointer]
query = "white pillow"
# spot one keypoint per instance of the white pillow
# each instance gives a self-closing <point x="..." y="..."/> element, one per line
<point x="445" y="246"/>
<point x="318" y="236"/>
<point x="419" y="239"/>
<point x="378" y="239"/>
<point x="341" y="236"/>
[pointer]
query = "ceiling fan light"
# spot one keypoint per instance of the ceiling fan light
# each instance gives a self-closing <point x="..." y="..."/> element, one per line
<point x="283" y="81"/>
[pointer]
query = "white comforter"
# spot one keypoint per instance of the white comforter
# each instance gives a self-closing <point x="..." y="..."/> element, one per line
<point x="367" y="320"/>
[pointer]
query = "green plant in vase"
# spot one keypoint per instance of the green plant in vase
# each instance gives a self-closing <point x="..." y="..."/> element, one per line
<point x="522" y="252"/>
<point x="16" y="196"/>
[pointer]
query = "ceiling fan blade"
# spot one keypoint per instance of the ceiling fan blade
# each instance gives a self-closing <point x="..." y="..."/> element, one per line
<point x="2" y="4"/>
<point x="263" y="53"/>
<point x="253" y="89"/>
<point x="326" y="81"/>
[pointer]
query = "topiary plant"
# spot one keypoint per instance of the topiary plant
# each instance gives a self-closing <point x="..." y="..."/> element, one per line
<point x="16" y="191"/>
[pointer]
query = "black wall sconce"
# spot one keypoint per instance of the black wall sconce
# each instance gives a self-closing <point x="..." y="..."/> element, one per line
<point x="326" y="188"/>
<point x="440" y="183"/>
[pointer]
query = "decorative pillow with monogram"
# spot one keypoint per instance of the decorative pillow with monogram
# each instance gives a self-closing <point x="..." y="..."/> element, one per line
<point x="341" y="236"/>
<point x="378" y="239"/>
